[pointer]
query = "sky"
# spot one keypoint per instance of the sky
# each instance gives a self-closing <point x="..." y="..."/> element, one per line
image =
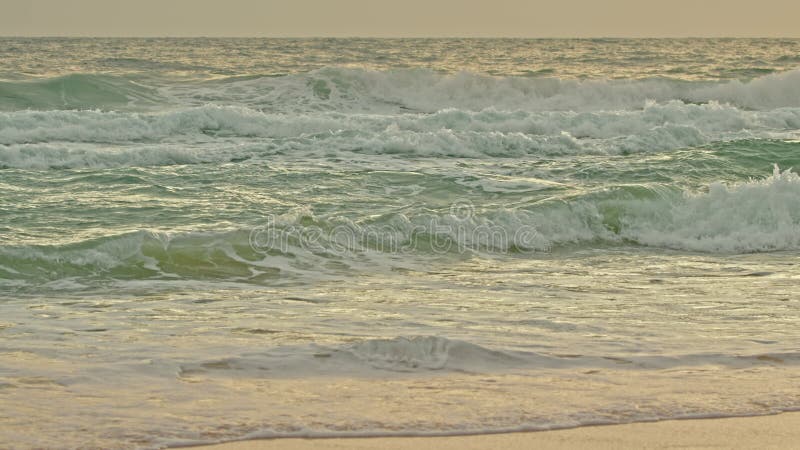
<point x="401" y="18"/>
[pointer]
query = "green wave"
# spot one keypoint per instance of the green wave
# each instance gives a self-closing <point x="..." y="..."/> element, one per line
<point x="756" y="216"/>
<point x="77" y="91"/>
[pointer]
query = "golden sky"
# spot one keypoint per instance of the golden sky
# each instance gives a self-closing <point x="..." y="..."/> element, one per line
<point x="387" y="18"/>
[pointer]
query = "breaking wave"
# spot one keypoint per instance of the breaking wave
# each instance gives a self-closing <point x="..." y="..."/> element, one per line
<point x="392" y="91"/>
<point x="757" y="216"/>
<point x="34" y="139"/>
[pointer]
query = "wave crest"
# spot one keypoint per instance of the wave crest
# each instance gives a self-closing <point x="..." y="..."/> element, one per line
<point x="77" y="91"/>
<point x="416" y="90"/>
<point x="354" y="90"/>
<point x="33" y="139"/>
<point x="758" y="216"/>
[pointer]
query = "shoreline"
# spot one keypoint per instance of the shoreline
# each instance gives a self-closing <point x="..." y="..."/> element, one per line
<point x="776" y="431"/>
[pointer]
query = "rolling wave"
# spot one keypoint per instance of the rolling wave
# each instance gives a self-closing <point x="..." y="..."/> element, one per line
<point x="43" y="139"/>
<point x="393" y="91"/>
<point x="75" y="92"/>
<point x="417" y="90"/>
<point x="757" y="216"/>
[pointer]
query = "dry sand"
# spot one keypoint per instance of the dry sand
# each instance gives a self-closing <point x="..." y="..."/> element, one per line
<point x="766" y="432"/>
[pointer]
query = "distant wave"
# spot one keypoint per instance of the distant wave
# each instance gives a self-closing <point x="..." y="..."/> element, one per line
<point x="44" y="139"/>
<point x="78" y="91"/>
<point x="415" y="90"/>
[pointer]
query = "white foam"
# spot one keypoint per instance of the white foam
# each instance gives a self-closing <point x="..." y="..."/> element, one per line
<point x="762" y="215"/>
<point x="361" y="90"/>
<point x="757" y="216"/>
<point x="215" y="134"/>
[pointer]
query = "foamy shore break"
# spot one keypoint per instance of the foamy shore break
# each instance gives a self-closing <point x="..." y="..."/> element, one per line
<point x="780" y="431"/>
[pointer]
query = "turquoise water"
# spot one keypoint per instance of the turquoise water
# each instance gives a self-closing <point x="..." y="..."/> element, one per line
<point x="216" y="239"/>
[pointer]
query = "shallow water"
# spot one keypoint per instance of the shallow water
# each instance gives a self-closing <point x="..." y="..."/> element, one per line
<point x="204" y="240"/>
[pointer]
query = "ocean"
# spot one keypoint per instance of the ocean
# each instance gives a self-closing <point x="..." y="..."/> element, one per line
<point x="205" y="240"/>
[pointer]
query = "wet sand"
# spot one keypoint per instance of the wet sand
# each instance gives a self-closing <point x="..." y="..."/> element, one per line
<point x="780" y="431"/>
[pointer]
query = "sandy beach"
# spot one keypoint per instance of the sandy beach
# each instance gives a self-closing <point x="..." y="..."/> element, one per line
<point x="765" y="432"/>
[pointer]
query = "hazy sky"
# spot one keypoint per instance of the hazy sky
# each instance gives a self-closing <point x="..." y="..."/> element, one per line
<point x="515" y="18"/>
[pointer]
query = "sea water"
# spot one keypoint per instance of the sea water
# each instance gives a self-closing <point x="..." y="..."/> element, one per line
<point x="213" y="239"/>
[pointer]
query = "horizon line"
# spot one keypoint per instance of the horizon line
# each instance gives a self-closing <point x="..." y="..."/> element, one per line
<point x="200" y="36"/>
